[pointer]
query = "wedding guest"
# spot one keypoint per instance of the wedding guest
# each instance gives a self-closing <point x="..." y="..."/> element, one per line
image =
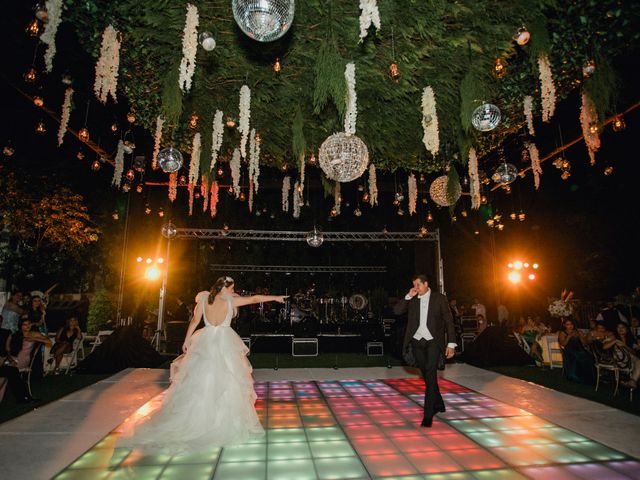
<point x="36" y="314"/>
<point x="64" y="340"/>
<point x="577" y="361"/>
<point x="611" y="316"/>
<point x="479" y="308"/>
<point x="613" y="350"/>
<point x="12" y="312"/>
<point x="482" y="323"/>
<point x="628" y="339"/>
<point x="20" y="344"/>
<point x="503" y="314"/>
<point x="181" y="313"/>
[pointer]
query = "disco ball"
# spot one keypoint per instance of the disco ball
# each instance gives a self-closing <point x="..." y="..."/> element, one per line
<point x="315" y="238"/>
<point x="169" y="230"/>
<point x="440" y="194"/>
<point x="343" y="157"/>
<point x="505" y="174"/>
<point x="263" y="20"/>
<point x="170" y="159"/>
<point x="486" y="117"/>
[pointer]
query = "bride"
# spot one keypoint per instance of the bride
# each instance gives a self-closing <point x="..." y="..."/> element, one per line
<point x="210" y="402"/>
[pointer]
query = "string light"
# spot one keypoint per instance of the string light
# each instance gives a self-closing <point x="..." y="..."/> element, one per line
<point x="30" y="75"/>
<point x="618" y="124"/>
<point x="41" y="127"/>
<point x="38" y="101"/>
<point x="83" y="134"/>
<point x="230" y="122"/>
<point x="193" y="121"/>
<point x="33" y="28"/>
<point x="499" y="69"/>
<point x="95" y="165"/>
<point x="131" y="117"/>
<point x="277" y="67"/>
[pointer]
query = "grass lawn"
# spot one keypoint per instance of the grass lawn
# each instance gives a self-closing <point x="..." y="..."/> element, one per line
<point x="554" y="380"/>
<point x="47" y="390"/>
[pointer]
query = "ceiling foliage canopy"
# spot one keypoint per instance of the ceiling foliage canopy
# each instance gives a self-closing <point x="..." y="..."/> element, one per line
<point x="468" y="53"/>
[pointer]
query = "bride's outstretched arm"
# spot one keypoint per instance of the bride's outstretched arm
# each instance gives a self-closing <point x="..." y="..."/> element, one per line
<point x="241" y="301"/>
<point x="197" y="316"/>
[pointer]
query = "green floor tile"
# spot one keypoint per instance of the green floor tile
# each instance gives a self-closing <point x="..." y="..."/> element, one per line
<point x="279" y="435"/>
<point x="340" y="468"/>
<point x="595" y="451"/>
<point x="151" y="472"/>
<point x="241" y="453"/>
<point x="241" y="471"/>
<point x="317" y="434"/>
<point x="209" y="457"/>
<point x="191" y="472"/>
<point x="291" y="470"/>
<point x="503" y="474"/>
<point x="83" y="474"/>
<point x="288" y="451"/>
<point x="331" y="449"/>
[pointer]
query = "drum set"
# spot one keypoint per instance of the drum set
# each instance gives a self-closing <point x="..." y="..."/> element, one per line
<point x="306" y="306"/>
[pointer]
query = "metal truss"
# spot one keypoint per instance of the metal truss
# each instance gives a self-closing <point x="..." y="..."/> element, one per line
<point x="292" y="236"/>
<point x="297" y="268"/>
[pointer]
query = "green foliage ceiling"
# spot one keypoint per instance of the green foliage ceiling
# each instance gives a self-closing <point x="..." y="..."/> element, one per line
<point x="450" y="45"/>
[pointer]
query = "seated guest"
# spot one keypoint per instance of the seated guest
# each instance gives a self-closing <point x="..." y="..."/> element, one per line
<point x="20" y="345"/>
<point x="612" y="350"/>
<point x="482" y="323"/>
<point x="64" y="340"/>
<point x="12" y="312"/>
<point x="36" y="313"/>
<point x="611" y="316"/>
<point x="578" y="362"/>
<point x="628" y="339"/>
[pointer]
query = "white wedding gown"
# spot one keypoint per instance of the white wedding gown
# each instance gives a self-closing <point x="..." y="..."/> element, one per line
<point x="210" y="402"/>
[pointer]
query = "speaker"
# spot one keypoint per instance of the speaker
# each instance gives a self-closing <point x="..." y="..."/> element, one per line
<point x="304" y="347"/>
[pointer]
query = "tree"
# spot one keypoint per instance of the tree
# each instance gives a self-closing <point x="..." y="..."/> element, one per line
<point x="47" y="229"/>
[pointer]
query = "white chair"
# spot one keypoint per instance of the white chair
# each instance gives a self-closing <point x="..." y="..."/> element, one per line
<point x="29" y="369"/>
<point x="522" y="342"/>
<point x="553" y="347"/>
<point x="71" y="359"/>
<point x="98" y="340"/>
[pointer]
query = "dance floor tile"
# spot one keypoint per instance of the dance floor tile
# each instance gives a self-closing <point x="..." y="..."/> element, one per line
<point x="241" y="470"/>
<point x="354" y="429"/>
<point x="290" y="470"/>
<point x="386" y="465"/>
<point x="340" y="468"/>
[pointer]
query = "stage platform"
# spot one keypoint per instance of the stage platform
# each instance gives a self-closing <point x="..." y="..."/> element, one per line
<point x="341" y="424"/>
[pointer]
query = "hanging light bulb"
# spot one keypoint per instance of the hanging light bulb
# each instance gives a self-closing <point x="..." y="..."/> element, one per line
<point x="126" y="187"/>
<point x="38" y="101"/>
<point x="182" y="179"/>
<point x="357" y="212"/>
<point x="593" y="127"/>
<point x="114" y="127"/>
<point x="422" y="179"/>
<point x="66" y="79"/>
<point x="95" y="165"/>
<point x="277" y="67"/>
<point x="139" y="188"/>
<point x="513" y="216"/>
<point x="608" y="170"/>
<point x="40" y="10"/>
<point x="33" y="28"/>
<point x="396" y="202"/>
<point x="618" y="124"/>
<point x="565" y="175"/>
<point x="312" y="159"/>
<point x="220" y="172"/>
<point x="365" y="197"/>
<point x="521" y="216"/>
<point x="464" y="213"/>
<point x="197" y="194"/>
<point x="230" y="122"/>
<point x="423" y="231"/>
<point x="425" y="201"/>
<point x="41" y="127"/>
<point x="8" y="150"/>
<point x="483" y="200"/>
<point x="558" y="162"/>
<point x="333" y="212"/>
<point x="501" y="226"/>
<point x="193" y="121"/>
<point x="242" y="197"/>
<point x="147" y="211"/>
<point x="80" y="155"/>
<point x="589" y="68"/>
<point x="207" y="41"/>
<point x="225" y="229"/>
<point x="230" y="190"/>
<point x="161" y="213"/>
<point x="129" y="146"/>
<point x="499" y="68"/>
<point x="491" y="222"/>
<point x="429" y="217"/>
<point x="115" y="215"/>
<point x="285" y="167"/>
<point x="454" y="219"/>
<point x="30" y="75"/>
<point x="258" y="137"/>
<point x="394" y="72"/>
<point x="523" y="36"/>
<point x="131" y="117"/>
<point x="83" y="134"/>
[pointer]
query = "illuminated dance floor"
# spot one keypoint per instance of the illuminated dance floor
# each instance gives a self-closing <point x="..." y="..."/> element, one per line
<point x="353" y="429"/>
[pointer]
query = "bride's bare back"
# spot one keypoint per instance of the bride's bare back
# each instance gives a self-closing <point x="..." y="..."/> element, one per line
<point x="216" y="312"/>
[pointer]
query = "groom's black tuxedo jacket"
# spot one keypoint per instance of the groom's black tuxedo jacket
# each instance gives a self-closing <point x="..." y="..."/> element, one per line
<point x="439" y="319"/>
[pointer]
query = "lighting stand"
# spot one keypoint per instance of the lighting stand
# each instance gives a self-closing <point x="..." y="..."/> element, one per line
<point x="155" y="341"/>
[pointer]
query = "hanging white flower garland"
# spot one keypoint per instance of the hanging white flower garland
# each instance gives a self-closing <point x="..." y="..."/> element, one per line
<point x="337" y="198"/>
<point x="48" y="37"/>
<point x="119" y="165"/>
<point x="547" y="88"/>
<point x="528" y="113"/>
<point x="431" y="136"/>
<point x="297" y="200"/>
<point x="213" y="202"/>
<point x="107" y="66"/>
<point x="373" y="186"/>
<point x="189" y="48"/>
<point x="194" y="165"/>
<point x="157" y="140"/>
<point x="588" y="119"/>
<point x="245" y="116"/>
<point x="286" y="186"/>
<point x="535" y="163"/>
<point x="204" y="193"/>
<point x="66" y="113"/>
<point x="369" y="15"/>
<point x="234" y="164"/>
<point x="413" y="193"/>
<point x="474" y="179"/>
<point x="302" y="173"/>
<point x="216" y="138"/>
<point x="250" y="202"/>
<point x="351" y="114"/>
<point x="254" y="160"/>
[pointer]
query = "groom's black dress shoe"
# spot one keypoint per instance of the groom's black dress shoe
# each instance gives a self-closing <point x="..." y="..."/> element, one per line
<point x="427" y="422"/>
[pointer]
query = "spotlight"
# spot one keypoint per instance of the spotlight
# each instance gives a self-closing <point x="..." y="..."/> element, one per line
<point x="152" y="273"/>
<point x="514" y="277"/>
<point x="517" y="265"/>
<point x="532" y="276"/>
<point x="139" y="259"/>
<point x="149" y="261"/>
<point x="535" y="266"/>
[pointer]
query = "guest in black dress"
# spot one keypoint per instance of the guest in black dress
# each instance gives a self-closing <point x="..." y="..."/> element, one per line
<point x="64" y="340"/>
<point x="577" y="361"/>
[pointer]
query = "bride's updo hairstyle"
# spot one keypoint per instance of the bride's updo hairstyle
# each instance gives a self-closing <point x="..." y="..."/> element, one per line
<point x="222" y="282"/>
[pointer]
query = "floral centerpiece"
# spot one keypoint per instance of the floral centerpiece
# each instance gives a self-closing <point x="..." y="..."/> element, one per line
<point x="561" y="307"/>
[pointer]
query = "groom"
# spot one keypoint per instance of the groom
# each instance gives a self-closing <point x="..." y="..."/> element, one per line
<point x="429" y="317"/>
